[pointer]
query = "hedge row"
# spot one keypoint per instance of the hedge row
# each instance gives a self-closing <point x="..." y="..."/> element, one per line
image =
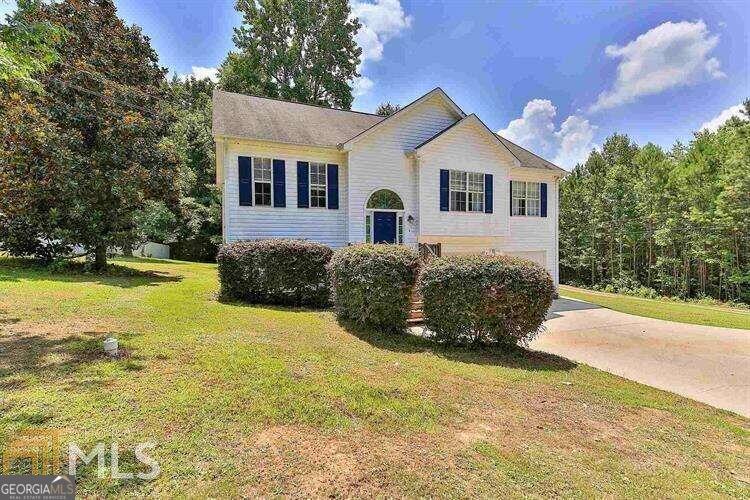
<point x="467" y="299"/>
<point x="275" y="271"/>
<point x="481" y="299"/>
<point x="372" y="285"/>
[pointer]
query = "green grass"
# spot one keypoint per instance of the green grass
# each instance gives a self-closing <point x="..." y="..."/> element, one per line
<point x="683" y="312"/>
<point x="244" y="400"/>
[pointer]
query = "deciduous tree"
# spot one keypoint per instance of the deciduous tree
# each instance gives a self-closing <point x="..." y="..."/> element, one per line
<point x="103" y="110"/>
<point x="297" y="50"/>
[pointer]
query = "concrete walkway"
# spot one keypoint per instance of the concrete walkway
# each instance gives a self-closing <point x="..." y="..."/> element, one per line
<point x="708" y="364"/>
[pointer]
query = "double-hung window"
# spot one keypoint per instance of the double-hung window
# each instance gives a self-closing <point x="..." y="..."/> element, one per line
<point x="318" y="185"/>
<point x="526" y="198"/>
<point x="262" y="181"/>
<point x="466" y="191"/>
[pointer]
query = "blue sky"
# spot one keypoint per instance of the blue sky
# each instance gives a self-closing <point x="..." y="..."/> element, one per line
<point x="555" y="77"/>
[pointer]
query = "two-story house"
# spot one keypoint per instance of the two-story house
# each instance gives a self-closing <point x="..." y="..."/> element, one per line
<point x="429" y="174"/>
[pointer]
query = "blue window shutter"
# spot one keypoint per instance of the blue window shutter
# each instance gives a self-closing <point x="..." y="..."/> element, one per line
<point x="333" y="186"/>
<point x="510" y="197"/>
<point x="279" y="183"/>
<point x="245" y="180"/>
<point x="444" y="193"/>
<point x="303" y="184"/>
<point x="488" y="193"/>
<point x="543" y="197"/>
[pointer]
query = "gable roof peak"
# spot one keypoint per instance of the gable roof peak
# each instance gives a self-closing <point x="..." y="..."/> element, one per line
<point x="437" y="91"/>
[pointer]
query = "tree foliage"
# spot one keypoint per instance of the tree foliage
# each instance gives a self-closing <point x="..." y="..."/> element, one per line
<point x="387" y="108"/>
<point x="102" y="114"/>
<point x="195" y="231"/>
<point x="676" y="222"/>
<point x="296" y="50"/>
<point x="27" y="48"/>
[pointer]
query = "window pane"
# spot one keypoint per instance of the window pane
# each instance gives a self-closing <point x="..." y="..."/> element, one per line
<point x="400" y="230"/>
<point x="476" y="182"/>
<point x="519" y="206"/>
<point x="368" y="228"/>
<point x="532" y="190"/>
<point x="262" y="169"/>
<point x="476" y="202"/>
<point x="532" y="207"/>
<point x="458" y="201"/>
<point x="262" y="193"/>
<point x="458" y="180"/>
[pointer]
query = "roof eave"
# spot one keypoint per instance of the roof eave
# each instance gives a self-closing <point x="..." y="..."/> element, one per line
<point x="260" y="139"/>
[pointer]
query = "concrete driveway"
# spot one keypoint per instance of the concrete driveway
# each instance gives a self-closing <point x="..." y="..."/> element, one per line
<point x="708" y="364"/>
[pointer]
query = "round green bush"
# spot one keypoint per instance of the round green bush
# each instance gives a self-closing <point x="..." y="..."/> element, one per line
<point x="372" y="285"/>
<point x="485" y="299"/>
<point x="275" y="271"/>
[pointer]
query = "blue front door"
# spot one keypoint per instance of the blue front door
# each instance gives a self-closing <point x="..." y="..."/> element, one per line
<point x="385" y="227"/>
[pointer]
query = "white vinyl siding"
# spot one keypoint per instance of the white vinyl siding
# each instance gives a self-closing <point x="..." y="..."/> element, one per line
<point x="468" y="146"/>
<point x="258" y="222"/>
<point x="378" y="162"/>
<point x="476" y="151"/>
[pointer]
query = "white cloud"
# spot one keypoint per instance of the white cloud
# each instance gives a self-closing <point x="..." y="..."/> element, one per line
<point x="535" y="131"/>
<point x="199" y="72"/>
<point x="576" y="136"/>
<point x="381" y="21"/>
<point x="670" y="55"/>
<point x="361" y="85"/>
<point x="713" y="124"/>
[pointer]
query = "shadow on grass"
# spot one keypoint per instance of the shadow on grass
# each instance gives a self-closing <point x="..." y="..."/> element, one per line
<point x="76" y="272"/>
<point x="149" y="260"/>
<point x="26" y="354"/>
<point x="5" y="320"/>
<point x="514" y="357"/>
<point x="271" y="307"/>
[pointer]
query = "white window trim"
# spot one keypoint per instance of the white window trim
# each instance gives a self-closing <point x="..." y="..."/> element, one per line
<point x="525" y="197"/>
<point x="310" y="184"/>
<point x="252" y="188"/>
<point x="467" y="191"/>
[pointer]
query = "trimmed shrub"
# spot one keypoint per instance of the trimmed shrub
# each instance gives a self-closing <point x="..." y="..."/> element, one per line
<point x="275" y="271"/>
<point x="372" y="285"/>
<point x="485" y="299"/>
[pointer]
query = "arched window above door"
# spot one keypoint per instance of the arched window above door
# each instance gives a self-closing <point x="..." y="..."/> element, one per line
<point x="384" y="199"/>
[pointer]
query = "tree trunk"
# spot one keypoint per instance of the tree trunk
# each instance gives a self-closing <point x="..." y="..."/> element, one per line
<point x="127" y="249"/>
<point x="100" y="259"/>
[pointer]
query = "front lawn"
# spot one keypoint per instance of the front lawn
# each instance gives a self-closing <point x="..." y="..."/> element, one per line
<point x="244" y="400"/>
<point x="683" y="312"/>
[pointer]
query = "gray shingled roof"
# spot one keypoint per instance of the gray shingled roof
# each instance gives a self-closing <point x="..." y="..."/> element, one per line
<point x="252" y="117"/>
<point x="527" y="158"/>
<point x="245" y="116"/>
